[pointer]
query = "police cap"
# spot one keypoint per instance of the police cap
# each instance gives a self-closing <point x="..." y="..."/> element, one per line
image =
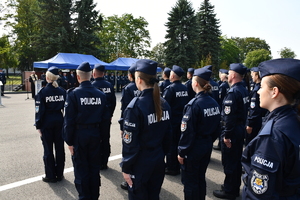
<point x="203" y="72"/>
<point x="209" y="67"/>
<point x="132" y="68"/>
<point x="146" y="66"/>
<point x="99" y="67"/>
<point x="238" y="68"/>
<point x="85" y="67"/>
<point x="167" y="71"/>
<point x="286" y="66"/>
<point x="191" y="70"/>
<point x="223" y="71"/>
<point x="53" y="70"/>
<point x="177" y="70"/>
<point x="254" y="69"/>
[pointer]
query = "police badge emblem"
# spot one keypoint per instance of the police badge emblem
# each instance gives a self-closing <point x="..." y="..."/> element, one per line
<point x="227" y="110"/>
<point x="127" y="137"/>
<point x="259" y="182"/>
<point x="183" y="126"/>
<point x="252" y="105"/>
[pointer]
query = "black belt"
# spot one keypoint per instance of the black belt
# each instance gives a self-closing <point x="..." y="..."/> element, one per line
<point x="87" y="126"/>
<point x="53" y="111"/>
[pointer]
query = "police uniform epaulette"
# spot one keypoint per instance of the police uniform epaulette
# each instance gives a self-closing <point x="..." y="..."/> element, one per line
<point x="191" y="101"/>
<point x="132" y="102"/>
<point x="230" y="90"/>
<point x="168" y="86"/>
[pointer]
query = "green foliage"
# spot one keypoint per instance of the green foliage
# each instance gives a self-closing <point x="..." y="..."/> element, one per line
<point x="255" y="57"/>
<point x="8" y="58"/>
<point x="181" y="35"/>
<point x="124" y="36"/>
<point x="229" y="52"/>
<point x="287" y="53"/>
<point x="158" y="53"/>
<point x="249" y="44"/>
<point x="208" y="43"/>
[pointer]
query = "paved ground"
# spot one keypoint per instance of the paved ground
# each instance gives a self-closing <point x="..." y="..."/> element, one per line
<point x="21" y="164"/>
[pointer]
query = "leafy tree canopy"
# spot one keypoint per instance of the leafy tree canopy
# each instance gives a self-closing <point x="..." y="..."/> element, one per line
<point x="287" y="53"/>
<point x="255" y="57"/>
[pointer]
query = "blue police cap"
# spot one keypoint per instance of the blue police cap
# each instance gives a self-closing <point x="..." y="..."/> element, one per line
<point x="254" y="69"/>
<point x="203" y="72"/>
<point x="286" y="66"/>
<point x="209" y="67"/>
<point x="191" y="70"/>
<point x="238" y="67"/>
<point x="53" y="70"/>
<point x="132" y="68"/>
<point x="223" y="71"/>
<point x="177" y="70"/>
<point x="146" y="66"/>
<point x="99" y="67"/>
<point x="85" y="66"/>
<point x="167" y="71"/>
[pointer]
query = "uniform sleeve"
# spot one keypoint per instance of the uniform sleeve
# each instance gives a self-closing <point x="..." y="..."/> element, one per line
<point x="188" y="133"/>
<point x="229" y="116"/>
<point x="130" y="143"/>
<point x="254" y="110"/>
<point x="113" y="101"/>
<point x="70" y="119"/>
<point x="39" y="110"/>
<point x="167" y="95"/>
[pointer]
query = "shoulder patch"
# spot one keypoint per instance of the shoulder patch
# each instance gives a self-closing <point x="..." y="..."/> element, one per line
<point x="127" y="137"/>
<point x="132" y="102"/>
<point x="259" y="182"/>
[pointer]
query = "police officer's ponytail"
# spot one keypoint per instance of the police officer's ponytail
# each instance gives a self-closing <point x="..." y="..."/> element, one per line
<point x="152" y="81"/>
<point x="52" y="78"/>
<point x="203" y="83"/>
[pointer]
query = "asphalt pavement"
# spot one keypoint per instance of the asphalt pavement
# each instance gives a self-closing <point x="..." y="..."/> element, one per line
<point x="22" y="168"/>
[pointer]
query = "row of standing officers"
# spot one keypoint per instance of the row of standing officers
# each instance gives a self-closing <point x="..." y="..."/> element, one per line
<point x="167" y="122"/>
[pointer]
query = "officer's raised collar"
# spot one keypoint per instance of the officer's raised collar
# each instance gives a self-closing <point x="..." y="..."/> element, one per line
<point x="286" y="66"/>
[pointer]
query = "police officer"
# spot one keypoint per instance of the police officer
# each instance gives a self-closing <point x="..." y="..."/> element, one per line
<point x="3" y="80"/>
<point x="271" y="160"/>
<point x="84" y="110"/>
<point x="255" y="112"/>
<point x="128" y="93"/>
<point x="49" y="104"/>
<point x="72" y="79"/>
<point x="32" y="79"/>
<point x="234" y="114"/>
<point x="188" y="84"/>
<point x="146" y="135"/>
<point x="166" y="81"/>
<point x="199" y="127"/>
<point x="107" y="88"/>
<point x="112" y="79"/>
<point x="214" y="86"/>
<point x="122" y="81"/>
<point x="118" y="82"/>
<point x="223" y="89"/>
<point x="177" y="96"/>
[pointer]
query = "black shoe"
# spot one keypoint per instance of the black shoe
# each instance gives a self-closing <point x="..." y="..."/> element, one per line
<point x="172" y="172"/>
<point x="217" y="148"/>
<point x="124" y="185"/>
<point x="223" y="195"/>
<point x="103" y="167"/>
<point x="60" y="178"/>
<point x="49" y="180"/>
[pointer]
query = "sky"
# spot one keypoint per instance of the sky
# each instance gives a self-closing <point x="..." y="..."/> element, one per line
<point x="275" y="21"/>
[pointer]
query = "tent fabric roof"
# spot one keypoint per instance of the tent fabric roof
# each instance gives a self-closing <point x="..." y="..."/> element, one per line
<point x="69" y="61"/>
<point x="123" y="63"/>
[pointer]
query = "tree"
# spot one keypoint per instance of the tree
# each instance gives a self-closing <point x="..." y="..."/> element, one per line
<point x="8" y="58"/>
<point x="124" y="36"/>
<point x="229" y="52"/>
<point x="24" y="30"/>
<point x="249" y="44"/>
<point x="158" y="53"/>
<point x="181" y="35"/>
<point x="208" y="43"/>
<point x="87" y="24"/>
<point x="255" y="57"/>
<point x="286" y="53"/>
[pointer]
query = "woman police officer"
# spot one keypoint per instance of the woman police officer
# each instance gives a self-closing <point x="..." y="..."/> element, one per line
<point x="271" y="160"/>
<point x="146" y="135"/>
<point x="200" y="126"/>
<point x="49" y="104"/>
